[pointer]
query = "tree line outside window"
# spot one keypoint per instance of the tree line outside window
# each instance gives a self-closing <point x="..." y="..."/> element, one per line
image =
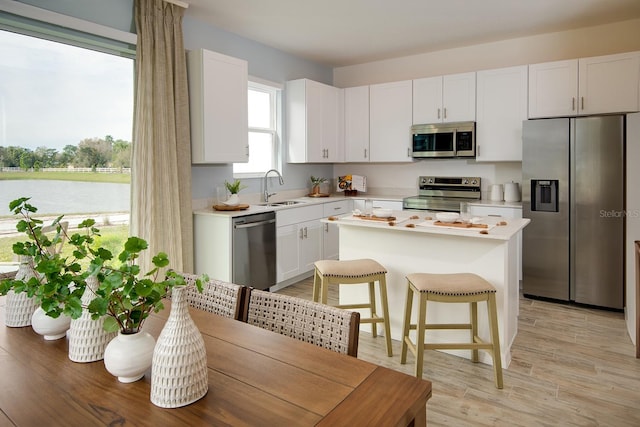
<point x="89" y="153"/>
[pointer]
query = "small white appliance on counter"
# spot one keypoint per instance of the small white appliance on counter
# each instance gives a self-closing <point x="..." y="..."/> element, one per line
<point x="511" y="192"/>
<point x="496" y="193"/>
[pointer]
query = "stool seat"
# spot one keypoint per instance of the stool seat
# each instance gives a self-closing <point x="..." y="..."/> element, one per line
<point x="451" y="288"/>
<point x="356" y="271"/>
<point x="355" y="268"/>
<point x="457" y="284"/>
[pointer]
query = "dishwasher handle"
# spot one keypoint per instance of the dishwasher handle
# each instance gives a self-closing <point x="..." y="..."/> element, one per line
<point x="253" y="224"/>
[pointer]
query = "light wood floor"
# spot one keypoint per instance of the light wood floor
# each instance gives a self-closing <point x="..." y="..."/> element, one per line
<point x="570" y="366"/>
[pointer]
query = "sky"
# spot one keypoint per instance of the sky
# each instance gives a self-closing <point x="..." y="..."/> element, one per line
<point x="52" y="94"/>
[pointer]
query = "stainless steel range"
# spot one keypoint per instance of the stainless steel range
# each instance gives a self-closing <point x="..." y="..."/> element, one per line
<point x="438" y="193"/>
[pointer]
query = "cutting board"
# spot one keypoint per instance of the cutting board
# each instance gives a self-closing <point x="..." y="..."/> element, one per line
<point x="460" y="224"/>
<point x="240" y="207"/>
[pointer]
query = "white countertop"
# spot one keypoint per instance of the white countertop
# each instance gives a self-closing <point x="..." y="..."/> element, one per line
<point x="260" y="208"/>
<point x="406" y="221"/>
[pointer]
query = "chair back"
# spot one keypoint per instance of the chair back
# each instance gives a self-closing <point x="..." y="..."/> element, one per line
<point x="218" y="297"/>
<point x="56" y="248"/>
<point x="325" y="326"/>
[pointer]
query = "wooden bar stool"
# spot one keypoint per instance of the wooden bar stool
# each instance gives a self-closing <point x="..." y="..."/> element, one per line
<point x="333" y="272"/>
<point x="451" y="288"/>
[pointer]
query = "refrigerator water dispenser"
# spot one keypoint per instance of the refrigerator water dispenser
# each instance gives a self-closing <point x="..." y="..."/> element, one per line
<point x="544" y="194"/>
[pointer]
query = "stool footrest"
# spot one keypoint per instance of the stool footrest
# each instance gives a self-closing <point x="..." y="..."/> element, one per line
<point x="352" y="306"/>
<point x="372" y="320"/>
<point x="459" y="346"/>
<point x="465" y="326"/>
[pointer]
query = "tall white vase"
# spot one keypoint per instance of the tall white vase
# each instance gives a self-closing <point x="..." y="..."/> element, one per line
<point x="179" y="373"/>
<point x="19" y="308"/>
<point x="87" y="337"/>
<point x="128" y="356"/>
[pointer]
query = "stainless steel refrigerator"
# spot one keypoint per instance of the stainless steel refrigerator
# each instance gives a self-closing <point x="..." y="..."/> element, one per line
<point x="573" y="192"/>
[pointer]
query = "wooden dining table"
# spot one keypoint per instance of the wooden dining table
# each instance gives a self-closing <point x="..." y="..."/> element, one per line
<point x="256" y="378"/>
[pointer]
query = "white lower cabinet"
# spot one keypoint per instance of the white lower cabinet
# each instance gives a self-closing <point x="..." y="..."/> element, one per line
<point x="504" y="212"/>
<point x="330" y="235"/>
<point x="298" y="240"/>
<point x="385" y="204"/>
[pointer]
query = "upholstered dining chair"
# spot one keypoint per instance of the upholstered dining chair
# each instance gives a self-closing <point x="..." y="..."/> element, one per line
<point x="322" y="325"/>
<point x="218" y="297"/>
<point x="57" y="247"/>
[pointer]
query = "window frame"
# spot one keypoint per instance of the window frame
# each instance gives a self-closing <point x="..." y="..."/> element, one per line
<point x="275" y="91"/>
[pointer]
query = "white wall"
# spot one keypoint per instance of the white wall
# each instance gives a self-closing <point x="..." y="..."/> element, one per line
<point x="633" y="219"/>
<point x="592" y="41"/>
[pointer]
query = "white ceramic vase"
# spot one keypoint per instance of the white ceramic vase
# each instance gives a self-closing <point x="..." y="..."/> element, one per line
<point x="87" y="337"/>
<point x="233" y="200"/>
<point x="50" y="328"/>
<point x="179" y="373"/>
<point x="128" y="356"/>
<point x="19" y="308"/>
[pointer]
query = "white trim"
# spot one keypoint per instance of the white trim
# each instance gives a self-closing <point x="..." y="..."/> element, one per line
<point x="178" y="3"/>
<point x="32" y="12"/>
<point x="265" y="82"/>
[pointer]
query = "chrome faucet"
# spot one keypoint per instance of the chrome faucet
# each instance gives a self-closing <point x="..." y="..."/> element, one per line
<point x="266" y="184"/>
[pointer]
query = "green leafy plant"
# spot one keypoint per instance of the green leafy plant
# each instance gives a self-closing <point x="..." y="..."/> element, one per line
<point x="124" y="293"/>
<point x="235" y="186"/>
<point x="315" y="181"/>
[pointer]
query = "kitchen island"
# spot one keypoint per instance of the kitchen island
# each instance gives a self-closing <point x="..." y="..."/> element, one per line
<point x="413" y="243"/>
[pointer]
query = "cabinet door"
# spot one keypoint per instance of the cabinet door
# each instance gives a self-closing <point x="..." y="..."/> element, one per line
<point x="288" y="243"/>
<point x="356" y="124"/>
<point x="502" y="106"/>
<point x="459" y="97"/>
<point x="427" y="100"/>
<point x="332" y="125"/>
<point x="609" y="84"/>
<point x="314" y="122"/>
<point x="310" y="235"/>
<point x="553" y="89"/>
<point x="218" y="104"/>
<point x="390" y="121"/>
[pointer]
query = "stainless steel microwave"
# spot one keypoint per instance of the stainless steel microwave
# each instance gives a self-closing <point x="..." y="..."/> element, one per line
<point x="444" y="140"/>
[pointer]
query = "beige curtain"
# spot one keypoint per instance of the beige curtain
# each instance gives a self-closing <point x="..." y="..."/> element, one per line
<point x="161" y="172"/>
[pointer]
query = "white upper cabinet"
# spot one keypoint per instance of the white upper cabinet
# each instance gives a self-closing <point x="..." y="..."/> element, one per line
<point x="450" y="98"/>
<point x="218" y="104"/>
<point x="502" y="106"/>
<point x="356" y="124"/>
<point x="314" y="122"/>
<point x="390" y="109"/>
<point x="602" y="84"/>
<point x="609" y="84"/>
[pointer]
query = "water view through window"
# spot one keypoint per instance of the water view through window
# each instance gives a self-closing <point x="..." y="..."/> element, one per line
<point x="65" y="132"/>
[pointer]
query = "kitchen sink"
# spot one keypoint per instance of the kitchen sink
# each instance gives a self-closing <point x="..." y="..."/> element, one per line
<point x="284" y="203"/>
<point x="288" y="203"/>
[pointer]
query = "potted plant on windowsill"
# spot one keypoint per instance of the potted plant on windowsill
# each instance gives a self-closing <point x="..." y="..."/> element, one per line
<point x="233" y="188"/>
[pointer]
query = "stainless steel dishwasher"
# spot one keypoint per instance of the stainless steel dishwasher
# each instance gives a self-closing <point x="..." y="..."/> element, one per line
<point x="254" y="250"/>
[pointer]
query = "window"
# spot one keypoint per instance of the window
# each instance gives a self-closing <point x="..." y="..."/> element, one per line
<point x="264" y="125"/>
<point x="66" y="114"/>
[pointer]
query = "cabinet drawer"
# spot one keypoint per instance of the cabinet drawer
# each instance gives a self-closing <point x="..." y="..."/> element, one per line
<point x="337" y="208"/>
<point x="298" y="214"/>
<point x="505" y="212"/>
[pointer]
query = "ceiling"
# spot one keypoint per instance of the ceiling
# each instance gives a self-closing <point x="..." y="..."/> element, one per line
<point x="346" y="32"/>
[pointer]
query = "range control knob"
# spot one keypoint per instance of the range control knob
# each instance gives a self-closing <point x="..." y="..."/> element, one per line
<point x="474" y="182"/>
<point x="465" y="181"/>
<point x="430" y="180"/>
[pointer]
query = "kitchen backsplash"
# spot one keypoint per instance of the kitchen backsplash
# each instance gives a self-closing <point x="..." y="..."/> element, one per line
<point x="395" y="177"/>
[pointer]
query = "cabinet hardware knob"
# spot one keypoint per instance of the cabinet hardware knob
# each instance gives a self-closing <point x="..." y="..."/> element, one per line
<point x="438" y="113"/>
